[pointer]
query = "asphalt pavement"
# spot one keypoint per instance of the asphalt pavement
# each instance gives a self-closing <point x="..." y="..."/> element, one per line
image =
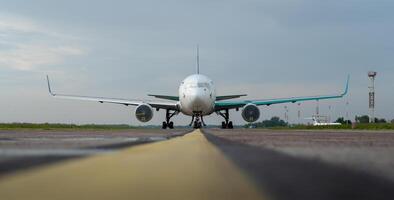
<point x="212" y="164"/>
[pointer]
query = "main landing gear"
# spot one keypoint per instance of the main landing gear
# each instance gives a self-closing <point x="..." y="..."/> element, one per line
<point x="169" y="124"/>
<point x="226" y="124"/>
<point x="196" y="121"/>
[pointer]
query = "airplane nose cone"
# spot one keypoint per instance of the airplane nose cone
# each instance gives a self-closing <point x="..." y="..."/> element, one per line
<point x="197" y="100"/>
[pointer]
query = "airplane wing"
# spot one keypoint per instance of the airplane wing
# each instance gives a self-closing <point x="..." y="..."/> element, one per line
<point x="127" y="102"/>
<point x="223" y="105"/>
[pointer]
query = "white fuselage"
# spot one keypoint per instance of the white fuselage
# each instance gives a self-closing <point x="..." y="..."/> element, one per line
<point x="197" y="95"/>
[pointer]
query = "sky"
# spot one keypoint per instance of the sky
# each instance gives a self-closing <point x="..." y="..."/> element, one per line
<point x="127" y="49"/>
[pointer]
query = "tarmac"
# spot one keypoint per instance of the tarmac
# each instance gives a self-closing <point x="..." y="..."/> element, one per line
<point x="203" y="164"/>
<point x="25" y="149"/>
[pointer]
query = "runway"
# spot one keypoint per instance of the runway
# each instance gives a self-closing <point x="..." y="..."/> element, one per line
<point x="187" y="167"/>
<point x="313" y="164"/>
<point x="212" y="164"/>
<point x="24" y="149"/>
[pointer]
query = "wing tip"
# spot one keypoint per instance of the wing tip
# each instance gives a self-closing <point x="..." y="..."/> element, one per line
<point x="49" y="87"/>
<point x="346" y="86"/>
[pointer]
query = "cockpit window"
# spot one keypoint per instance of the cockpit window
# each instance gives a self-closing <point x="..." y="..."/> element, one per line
<point x="198" y="85"/>
<point x="191" y="85"/>
<point x="203" y="85"/>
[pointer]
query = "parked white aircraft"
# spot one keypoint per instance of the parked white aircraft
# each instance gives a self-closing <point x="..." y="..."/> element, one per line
<point x="317" y="121"/>
<point x="197" y="98"/>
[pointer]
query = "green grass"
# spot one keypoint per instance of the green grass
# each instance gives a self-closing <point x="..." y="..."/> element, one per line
<point x="47" y="126"/>
<point x="377" y="126"/>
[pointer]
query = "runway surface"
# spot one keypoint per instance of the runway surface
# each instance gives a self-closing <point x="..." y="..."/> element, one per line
<point x="187" y="167"/>
<point x="23" y="149"/>
<point x="215" y="164"/>
<point x="313" y="164"/>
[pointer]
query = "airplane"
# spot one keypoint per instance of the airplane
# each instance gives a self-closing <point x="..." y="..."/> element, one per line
<point x="197" y="98"/>
<point x="322" y="121"/>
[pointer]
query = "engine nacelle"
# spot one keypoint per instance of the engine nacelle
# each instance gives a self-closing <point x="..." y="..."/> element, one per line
<point x="144" y="113"/>
<point x="250" y="113"/>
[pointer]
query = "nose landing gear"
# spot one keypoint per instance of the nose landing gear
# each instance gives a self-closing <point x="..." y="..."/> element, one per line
<point x="197" y="124"/>
<point x="196" y="121"/>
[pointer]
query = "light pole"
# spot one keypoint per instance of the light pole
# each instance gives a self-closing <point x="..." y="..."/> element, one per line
<point x="372" y="76"/>
<point x="347" y="112"/>
<point x="299" y="113"/>
<point x="286" y="114"/>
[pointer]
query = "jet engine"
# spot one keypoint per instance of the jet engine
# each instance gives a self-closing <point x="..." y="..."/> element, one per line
<point x="144" y="113"/>
<point x="250" y="113"/>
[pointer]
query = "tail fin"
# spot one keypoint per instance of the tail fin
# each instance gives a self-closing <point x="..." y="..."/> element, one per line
<point x="198" y="60"/>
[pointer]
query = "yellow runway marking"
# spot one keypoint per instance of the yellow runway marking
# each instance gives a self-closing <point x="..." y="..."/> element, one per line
<point x="187" y="167"/>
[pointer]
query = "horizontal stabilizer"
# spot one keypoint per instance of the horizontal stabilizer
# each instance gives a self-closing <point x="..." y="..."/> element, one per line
<point x="220" y="98"/>
<point x="173" y="98"/>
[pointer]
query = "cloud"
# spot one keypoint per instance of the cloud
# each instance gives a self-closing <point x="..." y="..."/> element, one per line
<point x="27" y="45"/>
<point x="13" y="23"/>
<point x="29" y="57"/>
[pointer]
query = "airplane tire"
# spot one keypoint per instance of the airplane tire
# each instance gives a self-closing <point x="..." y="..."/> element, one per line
<point x="164" y="126"/>
<point x="171" y="125"/>
<point x="224" y="125"/>
<point x="230" y="125"/>
<point x="195" y="125"/>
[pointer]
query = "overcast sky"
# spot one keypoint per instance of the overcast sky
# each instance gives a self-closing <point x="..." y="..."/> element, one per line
<point x="126" y="49"/>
